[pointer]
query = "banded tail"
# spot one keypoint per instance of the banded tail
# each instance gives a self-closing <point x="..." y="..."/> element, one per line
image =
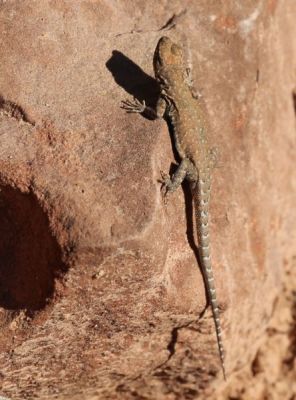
<point x="202" y="218"/>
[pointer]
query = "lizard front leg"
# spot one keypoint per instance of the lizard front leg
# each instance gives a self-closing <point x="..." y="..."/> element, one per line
<point x="186" y="170"/>
<point x="137" y="106"/>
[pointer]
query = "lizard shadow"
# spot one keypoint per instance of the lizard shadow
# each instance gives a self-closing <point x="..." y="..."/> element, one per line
<point x="190" y="221"/>
<point x="133" y="79"/>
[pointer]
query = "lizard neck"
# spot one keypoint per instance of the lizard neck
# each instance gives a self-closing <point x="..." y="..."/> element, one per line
<point x="171" y="80"/>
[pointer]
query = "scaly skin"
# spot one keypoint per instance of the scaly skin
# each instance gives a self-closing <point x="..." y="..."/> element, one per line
<point x="177" y="103"/>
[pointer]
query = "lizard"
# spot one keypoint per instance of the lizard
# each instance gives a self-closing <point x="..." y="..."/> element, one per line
<point x="183" y="110"/>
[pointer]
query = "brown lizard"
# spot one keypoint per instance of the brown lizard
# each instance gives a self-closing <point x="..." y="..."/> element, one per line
<point x="184" y="111"/>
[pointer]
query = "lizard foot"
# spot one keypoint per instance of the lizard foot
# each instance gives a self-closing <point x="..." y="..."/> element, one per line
<point x="165" y="185"/>
<point x="135" y="106"/>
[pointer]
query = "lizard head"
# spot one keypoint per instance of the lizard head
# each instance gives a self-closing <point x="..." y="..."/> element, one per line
<point x="168" y="57"/>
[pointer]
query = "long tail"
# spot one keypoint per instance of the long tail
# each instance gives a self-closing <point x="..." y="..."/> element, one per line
<point x="202" y="193"/>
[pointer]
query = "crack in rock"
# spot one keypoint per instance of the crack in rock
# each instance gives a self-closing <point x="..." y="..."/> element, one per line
<point x="14" y="111"/>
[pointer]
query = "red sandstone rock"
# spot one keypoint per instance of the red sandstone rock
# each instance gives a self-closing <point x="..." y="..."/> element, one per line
<point x="100" y="292"/>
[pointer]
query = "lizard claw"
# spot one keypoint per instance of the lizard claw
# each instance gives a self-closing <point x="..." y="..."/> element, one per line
<point x="165" y="182"/>
<point x="135" y="106"/>
<point x="165" y="178"/>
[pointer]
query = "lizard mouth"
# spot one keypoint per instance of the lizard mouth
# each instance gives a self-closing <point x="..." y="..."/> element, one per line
<point x="157" y="59"/>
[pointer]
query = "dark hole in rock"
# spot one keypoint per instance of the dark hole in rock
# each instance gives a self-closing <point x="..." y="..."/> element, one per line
<point x="294" y="101"/>
<point x="30" y="258"/>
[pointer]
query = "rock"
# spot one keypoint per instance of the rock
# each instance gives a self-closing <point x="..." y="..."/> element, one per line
<point x="100" y="292"/>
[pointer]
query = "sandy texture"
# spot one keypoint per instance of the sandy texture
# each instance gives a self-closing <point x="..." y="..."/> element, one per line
<point x="272" y="374"/>
<point x="100" y="293"/>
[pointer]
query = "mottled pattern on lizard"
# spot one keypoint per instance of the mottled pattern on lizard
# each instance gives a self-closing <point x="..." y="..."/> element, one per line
<point x="184" y="111"/>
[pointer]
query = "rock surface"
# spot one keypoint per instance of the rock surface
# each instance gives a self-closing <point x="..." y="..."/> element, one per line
<point x="100" y="292"/>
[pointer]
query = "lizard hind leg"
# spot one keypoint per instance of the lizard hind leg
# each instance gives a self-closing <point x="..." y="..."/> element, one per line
<point x="186" y="169"/>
